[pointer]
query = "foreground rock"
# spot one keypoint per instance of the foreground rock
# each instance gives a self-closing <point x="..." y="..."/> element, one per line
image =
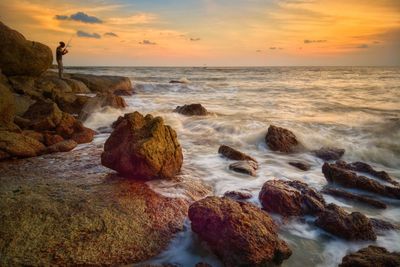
<point x="335" y="173"/>
<point x="354" y="226"/>
<point x="239" y="233"/>
<point x="234" y="154"/>
<point x="16" y="145"/>
<point x="246" y="167"/>
<point x="192" y="110"/>
<point x="143" y="147"/>
<point x="351" y="196"/>
<point x="371" y="256"/>
<point x="329" y="153"/>
<point x="290" y="198"/>
<point x="104" y="83"/>
<point x="280" y="139"/>
<point x="20" y="56"/>
<point x="78" y="214"/>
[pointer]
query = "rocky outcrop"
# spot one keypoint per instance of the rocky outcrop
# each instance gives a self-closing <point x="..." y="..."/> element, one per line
<point x="20" y="56"/>
<point x="238" y="195"/>
<point x="300" y="165"/>
<point x="335" y="173"/>
<point x="62" y="146"/>
<point x="371" y="256"/>
<point x="234" y="154"/>
<point x="290" y="198"/>
<point x="143" y="147"/>
<point x="329" y="153"/>
<point x="104" y="83"/>
<point x="351" y="196"/>
<point x="7" y="109"/>
<point x="239" y="233"/>
<point x="280" y="139"/>
<point x="246" y="167"/>
<point x="101" y="100"/>
<point x="192" y="110"/>
<point x="70" y="128"/>
<point x="18" y="145"/>
<point x="354" y="226"/>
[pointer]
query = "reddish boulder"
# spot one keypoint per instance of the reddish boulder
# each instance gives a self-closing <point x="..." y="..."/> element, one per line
<point x="280" y="139"/>
<point x="51" y="139"/>
<point x="237" y="195"/>
<point x="354" y="226"/>
<point x="70" y="128"/>
<point x="43" y="115"/>
<point x="290" y="198"/>
<point x="234" y="154"/>
<point x="143" y="147"/>
<point x="192" y="110"/>
<point x="239" y="233"/>
<point x="18" y="145"/>
<point x="371" y="256"/>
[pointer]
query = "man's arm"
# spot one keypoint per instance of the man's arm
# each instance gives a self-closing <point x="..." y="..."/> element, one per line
<point x="65" y="51"/>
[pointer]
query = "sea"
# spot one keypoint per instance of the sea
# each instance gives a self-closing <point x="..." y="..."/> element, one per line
<point x="354" y="108"/>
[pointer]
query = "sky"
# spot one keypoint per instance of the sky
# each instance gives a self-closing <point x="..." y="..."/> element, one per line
<point x="213" y="32"/>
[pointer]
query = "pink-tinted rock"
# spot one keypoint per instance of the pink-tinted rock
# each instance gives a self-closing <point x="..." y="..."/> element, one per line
<point x="280" y="139"/>
<point x="371" y="256"/>
<point x="192" y="110"/>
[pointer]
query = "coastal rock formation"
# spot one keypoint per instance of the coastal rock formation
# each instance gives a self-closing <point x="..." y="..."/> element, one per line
<point x="18" y="145"/>
<point x="246" y="167"/>
<point x="280" y="139"/>
<point x="238" y="195"/>
<point x="239" y="233"/>
<point x="192" y="110"/>
<point x="354" y="226"/>
<point x="104" y="83"/>
<point x="70" y="128"/>
<point x="335" y="173"/>
<point x="20" y="56"/>
<point x="371" y="256"/>
<point x="300" y="165"/>
<point x="7" y="109"/>
<point x="68" y="210"/>
<point x="329" y="153"/>
<point x="290" y="198"/>
<point x="351" y="196"/>
<point x="234" y="154"/>
<point x="102" y="100"/>
<point x="143" y="147"/>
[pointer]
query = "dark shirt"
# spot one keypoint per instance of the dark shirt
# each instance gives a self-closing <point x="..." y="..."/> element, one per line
<point x="59" y="53"/>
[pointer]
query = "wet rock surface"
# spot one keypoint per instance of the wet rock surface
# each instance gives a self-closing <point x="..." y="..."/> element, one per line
<point x="371" y="256"/>
<point x="300" y="165"/>
<point x="351" y="196"/>
<point x="290" y="198"/>
<point x="245" y="167"/>
<point x="353" y="226"/>
<point x="239" y="233"/>
<point x="104" y="83"/>
<point x="280" y="139"/>
<point x="143" y="147"/>
<point x="234" y="154"/>
<point x="101" y="100"/>
<point x="192" y="110"/>
<point x="329" y="153"/>
<point x="238" y="195"/>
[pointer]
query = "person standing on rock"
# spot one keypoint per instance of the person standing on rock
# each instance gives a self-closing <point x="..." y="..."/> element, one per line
<point x="61" y="50"/>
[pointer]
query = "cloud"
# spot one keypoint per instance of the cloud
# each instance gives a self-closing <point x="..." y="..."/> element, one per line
<point x="139" y="18"/>
<point x="258" y="51"/>
<point x="363" y="46"/>
<point x="314" y="41"/>
<point x="88" y="35"/>
<point x="195" y="39"/>
<point x="111" y="34"/>
<point x="275" y="48"/>
<point x="147" y="42"/>
<point x="79" y="16"/>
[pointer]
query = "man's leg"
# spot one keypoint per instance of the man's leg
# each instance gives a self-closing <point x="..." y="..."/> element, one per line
<point x="60" y="69"/>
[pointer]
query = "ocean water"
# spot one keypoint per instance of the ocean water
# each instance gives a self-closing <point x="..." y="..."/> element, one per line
<point x="355" y="108"/>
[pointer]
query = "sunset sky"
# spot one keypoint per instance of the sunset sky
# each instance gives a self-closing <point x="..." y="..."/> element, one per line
<point x="213" y="32"/>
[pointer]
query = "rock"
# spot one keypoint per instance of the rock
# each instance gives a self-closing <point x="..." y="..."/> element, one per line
<point x="143" y="147"/>
<point x="354" y="226"/>
<point x="192" y="110"/>
<point x="329" y="153"/>
<point x="334" y="173"/>
<point x="300" y="165"/>
<point x="76" y="86"/>
<point x="104" y="83"/>
<point x="380" y="226"/>
<point x="237" y="195"/>
<point x="62" y="146"/>
<point x="371" y="256"/>
<point x="347" y="195"/>
<point x="68" y="210"/>
<point x="7" y="108"/>
<point x="71" y="103"/>
<point x="70" y="128"/>
<point x="18" y="145"/>
<point x="51" y="139"/>
<point x="22" y="104"/>
<point x="280" y="139"/>
<point x="51" y="86"/>
<point x="25" y="85"/>
<point x="22" y="122"/>
<point x="34" y="135"/>
<point x="290" y="198"/>
<point x="366" y="168"/>
<point x="234" y="154"/>
<point x="43" y="115"/>
<point x="202" y="264"/>
<point x="99" y="101"/>
<point x="239" y="233"/>
<point x="245" y="167"/>
<point x="20" y="56"/>
<point x="123" y="92"/>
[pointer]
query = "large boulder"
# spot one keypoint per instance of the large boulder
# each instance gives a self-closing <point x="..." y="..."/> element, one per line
<point x="371" y="256"/>
<point x="336" y="173"/>
<point x="20" y="56"/>
<point x="77" y="87"/>
<point x="18" y="145"/>
<point x="192" y="110"/>
<point x="104" y="83"/>
<point x="280" y="139"/>
<point x="234" y="154"/>
<point x="354" y="226"/>
<point x="143" y="147"/>
<point x="290" y="198"/>
<point x="239" y="233"/>
<point x="7" y="108"/>
<point x="43" y="115"/>
<point x="71" y="128"/>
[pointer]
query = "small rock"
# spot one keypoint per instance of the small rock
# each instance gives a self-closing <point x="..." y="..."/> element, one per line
<point x="192" y="110"/>
<point x="347" y="195"/>
<point x="329" y="153"/>
<point x="245" y="167"/>
<point x="63" y="146"/>
<point x="236" y="195"/>
<point x="234" y="154"/>
<point x="300" y="165"/>
<point x="280" y="139"/>
<point x="380" y="226"/>
<point x="371" y="256"/>
<point x="354" y="226"/>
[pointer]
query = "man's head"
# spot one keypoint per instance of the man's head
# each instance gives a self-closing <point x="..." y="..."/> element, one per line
<point x="62" y="44"/>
